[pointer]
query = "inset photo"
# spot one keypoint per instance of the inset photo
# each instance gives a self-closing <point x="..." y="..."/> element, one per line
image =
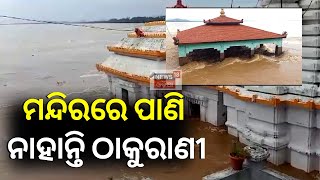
<point x="235" y="46"/>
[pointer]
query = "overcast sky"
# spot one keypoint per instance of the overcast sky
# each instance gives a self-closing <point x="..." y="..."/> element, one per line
<point x="77" y="10"/>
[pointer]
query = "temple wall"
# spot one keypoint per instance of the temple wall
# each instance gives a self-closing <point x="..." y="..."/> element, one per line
<point x="212" y="109"/>
<point x="291" y="134"/>
<point x="222" y="46"/>
<point x="135" y="91"/>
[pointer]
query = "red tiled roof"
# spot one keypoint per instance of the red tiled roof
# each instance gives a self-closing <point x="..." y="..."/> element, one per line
<point x="223" y="33"/>
<point x="223" y="20"/>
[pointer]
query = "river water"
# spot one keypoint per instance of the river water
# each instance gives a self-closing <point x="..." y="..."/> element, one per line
<point x="38" y="59"/>
<point x="258" y="70"/>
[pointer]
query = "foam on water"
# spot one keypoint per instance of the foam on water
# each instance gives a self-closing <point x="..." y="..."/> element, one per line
<point x="234" y="70"/>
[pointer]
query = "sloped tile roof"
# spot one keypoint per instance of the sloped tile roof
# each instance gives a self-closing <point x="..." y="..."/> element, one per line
<point x="223" y="20"/>
<point x="223" y="33"/>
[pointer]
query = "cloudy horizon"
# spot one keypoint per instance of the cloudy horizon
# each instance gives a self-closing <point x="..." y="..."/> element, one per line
<point x="89" y="10"/>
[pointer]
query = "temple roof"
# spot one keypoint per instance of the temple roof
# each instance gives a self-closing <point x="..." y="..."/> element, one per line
<point x="130" y="59"/>
<point x="132" y="65"/>
<point x="222" y="19"/>
<point x="223" y="33"/>
<point x="223" y="29"/>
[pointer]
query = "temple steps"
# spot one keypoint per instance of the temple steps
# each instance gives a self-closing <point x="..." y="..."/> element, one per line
<point x="311" y="52"/>
<point x="304" y="4"/>
<point x="312" y="29"/>
<point x="311" y="15"/>
<point x="277" y="3"/>
<point x="311" y="41"/>
<point x="311" y="76"/>
<point x="160" y="28"/>
<point x="310" y="65"/>
<point x="152" y="44"/>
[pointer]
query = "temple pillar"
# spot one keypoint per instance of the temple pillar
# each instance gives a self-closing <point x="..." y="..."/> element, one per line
<point x="184" y="60"/>
<point x="221" y="56"/>
<point x="278" y="51"/>
<point x="252" y="52"/>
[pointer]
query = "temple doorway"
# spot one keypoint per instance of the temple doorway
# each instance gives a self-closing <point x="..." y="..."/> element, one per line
<point x="125" y="95"/>
<point x="194" y="111"/>
<point x="209" y="54"/>
<point x="238" y="51"/>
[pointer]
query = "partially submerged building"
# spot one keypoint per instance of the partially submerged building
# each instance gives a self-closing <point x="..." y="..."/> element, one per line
<point x="285" y="120"/>
<point x="128" y="68"/>
<point x="222" y="33"/>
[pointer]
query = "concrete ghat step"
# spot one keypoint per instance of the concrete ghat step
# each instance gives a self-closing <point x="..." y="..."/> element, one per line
<point x="278" y="2"/>
<point x="269" y="89"/>
<point x="268" y="142"/>
<point x="278" y="5"/>
<point x="310" y="52"/>
<point x="311" y="64"/>
<point x="304" y="4"/>
<point x="313" y="29"/>
<point x="311" y="76"/>
<point x="311" y="15"/>
<point x="161" y="28"/>
<point x="311" y="41"/>
<point x="247" y="173"/>
<point x="309" y="90"/>
<point x="157" y="44"/>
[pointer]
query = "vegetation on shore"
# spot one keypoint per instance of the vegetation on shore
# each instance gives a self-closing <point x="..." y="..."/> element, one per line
<point x="114" y="20"/>
<point x="131" y="20"/>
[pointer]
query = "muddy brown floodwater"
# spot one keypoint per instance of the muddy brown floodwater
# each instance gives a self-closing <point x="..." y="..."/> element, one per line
<point x="258" y="70"/>
<point x="218" y="145"/>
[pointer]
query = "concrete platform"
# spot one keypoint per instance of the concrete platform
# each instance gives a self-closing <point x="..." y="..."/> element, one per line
<point x="248" y="174"/>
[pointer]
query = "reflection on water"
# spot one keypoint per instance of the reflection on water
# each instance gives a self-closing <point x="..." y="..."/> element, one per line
<point x="258" y="70"/>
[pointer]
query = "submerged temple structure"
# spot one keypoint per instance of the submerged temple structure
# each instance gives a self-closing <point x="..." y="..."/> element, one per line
<point x="128" y="67"/>
<point x="283" y="119"/>
<point x="222" y="33"/>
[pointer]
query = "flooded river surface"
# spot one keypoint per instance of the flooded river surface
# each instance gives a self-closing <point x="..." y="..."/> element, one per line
<point x="258" y="70"/>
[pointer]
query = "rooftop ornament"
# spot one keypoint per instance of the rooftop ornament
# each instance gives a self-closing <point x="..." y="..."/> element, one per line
<point x="179" y="4"/>
<point x="222" y="13"/>
<point x="223" y="20"/>
<point x="139" y="32"/>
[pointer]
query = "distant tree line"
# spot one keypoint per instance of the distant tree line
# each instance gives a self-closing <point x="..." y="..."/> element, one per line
<point x="132" y="20"/>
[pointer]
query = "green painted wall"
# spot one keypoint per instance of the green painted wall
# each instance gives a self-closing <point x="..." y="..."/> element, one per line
<point x="184" y="49"/>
